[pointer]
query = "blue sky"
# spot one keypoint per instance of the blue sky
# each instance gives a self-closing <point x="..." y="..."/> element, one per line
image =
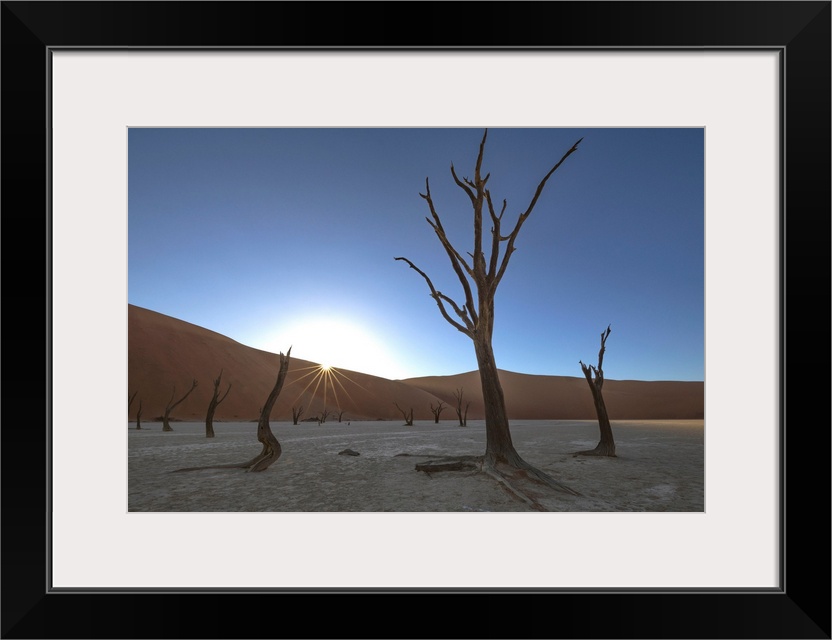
<point x="287" y="237"/>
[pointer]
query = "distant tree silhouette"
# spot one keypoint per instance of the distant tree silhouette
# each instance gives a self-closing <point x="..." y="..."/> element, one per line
<point x="460" y="413"/>
<point x="139" y="415"/>
<point x="324" y="415"/>
<point x="296" y="414"/>
<point x="606" y="447"/>
<point x="212" y="406"/>
<point x="171" y="405"/>
<point x="475" y="317"/>
<point x="439" y="408"/>
<point x="407" y="415"/>
<point x="339" y="412"/>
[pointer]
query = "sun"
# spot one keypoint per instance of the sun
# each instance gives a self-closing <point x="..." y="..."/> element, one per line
<point x="334" y="342"/>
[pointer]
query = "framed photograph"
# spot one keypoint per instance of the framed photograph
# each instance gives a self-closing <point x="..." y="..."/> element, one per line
<point x="753" y="77"/>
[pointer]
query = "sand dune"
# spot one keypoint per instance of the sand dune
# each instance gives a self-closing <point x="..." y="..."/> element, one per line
<point x="530" y="397"/>
<point x="164" y="352"/>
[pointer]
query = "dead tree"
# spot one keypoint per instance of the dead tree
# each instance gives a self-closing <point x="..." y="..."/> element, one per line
<point x="130" y="399"/>
<point x="171" y="405"/>
<point x="212" y="406"/>
<point x="296" y="414"/>
<point x="606" y="446"/>
<point x="462" y="415"/>
<point x="439" y="408"/>
<point x="139" y="415"/>
<point x="324" y="415"/>
<point x="407" y="415"/>
<point x="475" y="317"/>
<point x="340" y="413"/>
<point x="271" y="447"/>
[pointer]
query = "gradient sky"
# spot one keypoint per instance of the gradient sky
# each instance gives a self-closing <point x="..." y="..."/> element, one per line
<point x="287" y="237"/>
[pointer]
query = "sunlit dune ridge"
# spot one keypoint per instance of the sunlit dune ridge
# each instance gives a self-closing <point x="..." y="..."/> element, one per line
<point x="166" y="354"/>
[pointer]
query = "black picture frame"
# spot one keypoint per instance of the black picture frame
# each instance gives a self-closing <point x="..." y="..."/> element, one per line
<point x="800" y="608"/>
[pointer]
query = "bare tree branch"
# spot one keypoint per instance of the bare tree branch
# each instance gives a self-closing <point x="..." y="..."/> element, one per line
<point x="457" y="261"/>
<point x="479" y="257"/>
<point x="599" y="373"/>
<point x="216" y="388"/>
<point x="452" y="252"/>
<point x="171" y="405"/>
<point x="496" y="221"/>
<point x="408" y="416"/>
<point x="523" y="216"/>
<point x="438" y="298"/>
<point x="463" y="185"/>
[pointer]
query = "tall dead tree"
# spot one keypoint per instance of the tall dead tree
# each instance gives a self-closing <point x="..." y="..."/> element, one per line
<point x="460" y="413"/>
<point x="324" y="415"/>
<point x="340" y="413"/>
<point x="171" y="405"/>
<point x="606" y="447"/>
<point x="475" y="317"/>
<point x="271" y="447"/>
<point x="439" y="408"/>
<point x="139" y="415"/>
<point x="212" y="406"/>
<point x="296" y="414"/>
<point x="407" y="415"/>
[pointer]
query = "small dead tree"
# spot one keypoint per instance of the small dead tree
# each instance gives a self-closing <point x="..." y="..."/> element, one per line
<point x="407" y="415"/>
<point x="296" y="414"/>
<point x="340" y="413"/>
<point x="212" y="406"/>
<point x="171" y="405"/>
<point x="606" y="446"/>
<point x="324" y="415"/>
<point x="439" y="408"/>
<point x="475" y="317"/>
<point x="139" y="415"/>
<point x="460" y="413"/>
<point x="271" y="447"/>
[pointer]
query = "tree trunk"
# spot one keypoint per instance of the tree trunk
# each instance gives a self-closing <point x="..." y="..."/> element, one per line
<point x="139" y="415"/>
<point x="212" y="406"/>
<point x="437" y="410"/>
<point x="606" y="446"/>
<point x="498" y="445"/>
<point x="171" y="405"/>
<point x="209" y="421"/>
<point x="271" y="447"/>
<point x="296" y="414"/>
<point x="408" y="416"/>
<point x="463" y="418"/>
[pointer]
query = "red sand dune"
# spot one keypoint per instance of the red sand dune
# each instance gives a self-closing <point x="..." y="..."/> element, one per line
<point x="530" y="397"/>
<point x="164" y="353"/>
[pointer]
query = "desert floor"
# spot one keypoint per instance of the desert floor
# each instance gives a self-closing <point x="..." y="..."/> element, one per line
<point x="659" y="467"/>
